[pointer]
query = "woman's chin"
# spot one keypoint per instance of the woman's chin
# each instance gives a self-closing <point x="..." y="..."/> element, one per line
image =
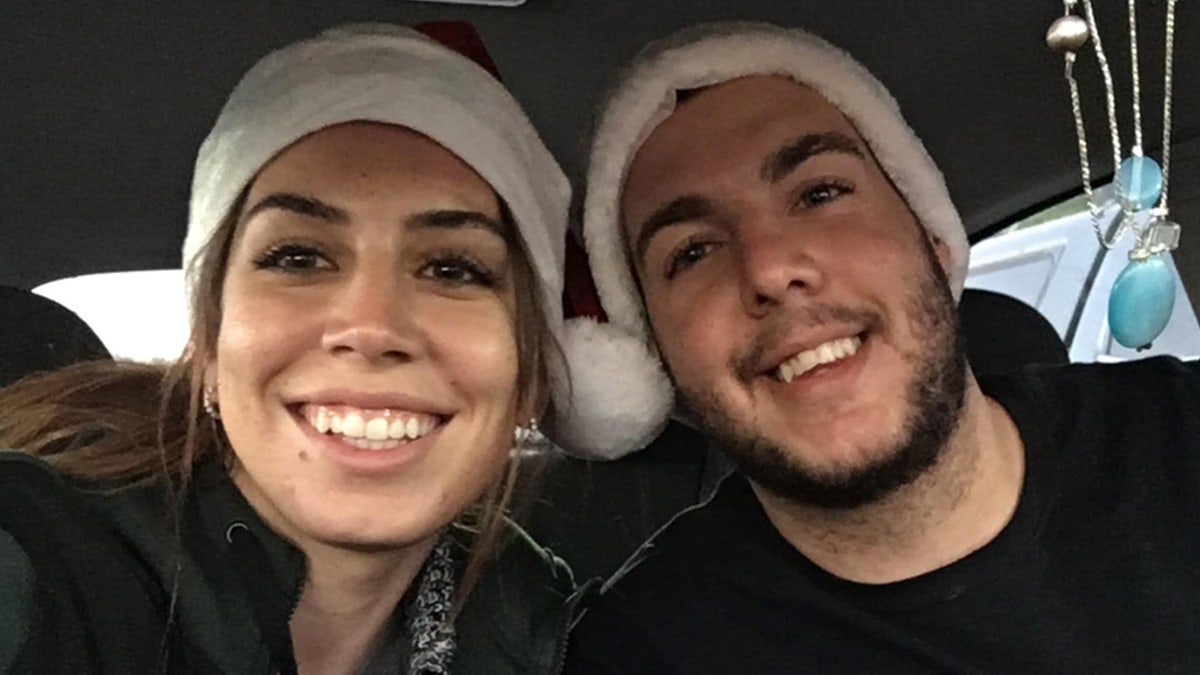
<point x="349" y="520"/>
<point x="359" y="535"/>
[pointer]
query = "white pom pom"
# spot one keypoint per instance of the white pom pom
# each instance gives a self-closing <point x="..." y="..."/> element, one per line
<point x="620" y="396"/>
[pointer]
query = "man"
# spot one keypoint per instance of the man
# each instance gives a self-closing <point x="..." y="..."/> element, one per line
<point x="758" y="208"/>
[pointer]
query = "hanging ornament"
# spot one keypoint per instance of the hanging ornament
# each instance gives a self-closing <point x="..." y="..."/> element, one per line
<point x="1143" y="296"/>
<point x="1067" y="34"/>
<point x="1141" y="302"/>
<point x="1141" y="182"/>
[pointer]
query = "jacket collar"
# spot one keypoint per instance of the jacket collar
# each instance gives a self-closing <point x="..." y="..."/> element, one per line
<point x="268" y="570"/>
<point x="217" y="509"/>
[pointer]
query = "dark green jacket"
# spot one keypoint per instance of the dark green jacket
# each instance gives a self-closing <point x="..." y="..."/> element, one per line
<point x="86" y="585"/>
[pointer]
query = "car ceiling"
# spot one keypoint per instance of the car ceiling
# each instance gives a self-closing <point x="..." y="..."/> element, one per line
<point x="103" y="105"/>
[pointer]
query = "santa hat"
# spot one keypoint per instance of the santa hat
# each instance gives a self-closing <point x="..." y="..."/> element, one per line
<point x="396" y="75"/>
<point x="709" y="54"/>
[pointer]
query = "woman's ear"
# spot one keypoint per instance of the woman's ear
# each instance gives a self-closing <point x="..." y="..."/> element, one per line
<point x="208" y="380"/>
<point x="530" y="407"/>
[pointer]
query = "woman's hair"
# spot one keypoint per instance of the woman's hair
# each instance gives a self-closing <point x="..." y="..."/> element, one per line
<point x="139" y="424"/>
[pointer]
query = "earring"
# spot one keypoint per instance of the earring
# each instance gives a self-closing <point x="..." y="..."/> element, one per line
<point x="528" y="440"/>
<point x="210" y="405"/>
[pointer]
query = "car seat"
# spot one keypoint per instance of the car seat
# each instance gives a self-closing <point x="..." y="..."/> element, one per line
<point x="37" y="334"/>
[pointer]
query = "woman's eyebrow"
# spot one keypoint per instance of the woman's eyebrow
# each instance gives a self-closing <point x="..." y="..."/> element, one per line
<point x="304" y="205"/>
<point x="315" y="208"/>
<point x="456" y="219"/>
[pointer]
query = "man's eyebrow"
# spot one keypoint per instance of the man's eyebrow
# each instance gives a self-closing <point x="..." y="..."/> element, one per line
<point x="678" y="210"/>
<point x="803" y="148"/>
<point x="301" y="204"/>
<point x="455" y="219"/>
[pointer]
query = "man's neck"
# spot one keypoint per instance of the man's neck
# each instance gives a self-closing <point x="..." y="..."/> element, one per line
<point x="955" y="508"/>
<point x="349" y="599"/>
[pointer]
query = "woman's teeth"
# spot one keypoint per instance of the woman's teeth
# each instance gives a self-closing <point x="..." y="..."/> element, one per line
<point x="370" y="429"/>
<point x="827" y="352"/>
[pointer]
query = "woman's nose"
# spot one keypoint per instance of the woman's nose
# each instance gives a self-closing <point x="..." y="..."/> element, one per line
<point x="371" y="316"/>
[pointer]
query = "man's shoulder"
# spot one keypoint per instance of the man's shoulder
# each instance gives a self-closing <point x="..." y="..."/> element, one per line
<point x="672" y="581"/>
<point x="1114" y="428"/>
<point x="695" y="544"/>
<point x="1139" y="382"/>
<point x="1139" y="371"/>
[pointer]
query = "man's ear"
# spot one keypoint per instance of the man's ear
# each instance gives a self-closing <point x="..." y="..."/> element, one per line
<point x="944" y="255"/>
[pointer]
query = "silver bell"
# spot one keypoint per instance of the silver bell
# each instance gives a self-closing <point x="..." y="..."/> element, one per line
<point x="1067" y="34"/>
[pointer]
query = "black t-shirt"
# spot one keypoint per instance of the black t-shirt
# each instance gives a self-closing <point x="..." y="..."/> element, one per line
<point x="1097" y="572"/>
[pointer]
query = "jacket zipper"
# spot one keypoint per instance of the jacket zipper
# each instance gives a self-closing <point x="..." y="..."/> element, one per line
<point x="585" y="592"/>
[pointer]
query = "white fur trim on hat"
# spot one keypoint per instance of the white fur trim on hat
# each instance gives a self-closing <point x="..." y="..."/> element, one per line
<point x="709" y="54"/>
<point x="395" y="75"/>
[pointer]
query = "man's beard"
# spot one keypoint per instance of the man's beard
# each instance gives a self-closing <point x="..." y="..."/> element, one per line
<point x="934" y="399"/>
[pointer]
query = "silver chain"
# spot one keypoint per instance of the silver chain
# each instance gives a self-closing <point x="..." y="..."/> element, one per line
<point x="1137" y="84"/>
<point x="1110" y="97"/>
<point x="1115" y="133"/>
<point x="1084" y="165"/>
<point x="1168" y="79"/>
<point x="1126" y="221"/>
<point x="1136" y="151"/>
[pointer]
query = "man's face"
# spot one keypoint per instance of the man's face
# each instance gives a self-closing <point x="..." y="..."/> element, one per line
<point x="800" y="309"/>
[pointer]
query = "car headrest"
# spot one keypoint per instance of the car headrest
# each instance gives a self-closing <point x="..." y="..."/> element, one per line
<point x="1003" y="333"/>
<point x="37" y="334"/>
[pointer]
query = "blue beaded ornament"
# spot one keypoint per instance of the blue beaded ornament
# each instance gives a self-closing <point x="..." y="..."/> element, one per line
<point x="1143" y="296"/>
<point x="1141" y="182"/>
<point x="1141" y="302"/>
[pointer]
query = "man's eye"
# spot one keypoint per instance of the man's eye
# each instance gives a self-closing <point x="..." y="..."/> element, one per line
<point x="687" y="257"/>
<point x="293" y="259"/>
<point x="823" y="194"/>
<point x="458" y="270"/>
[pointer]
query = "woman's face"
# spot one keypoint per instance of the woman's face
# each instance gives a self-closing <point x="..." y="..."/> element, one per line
<point x="366" y="364"/>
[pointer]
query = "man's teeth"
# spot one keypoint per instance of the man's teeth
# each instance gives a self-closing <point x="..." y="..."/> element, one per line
<point x="370" y="429"/>
<point x="827" y="352"/>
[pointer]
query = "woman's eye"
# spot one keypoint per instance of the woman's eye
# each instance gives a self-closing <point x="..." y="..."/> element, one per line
<point x="687" y="257"/>
<point x="294" y="259"/>
<point x="823" y="194"/>
<point x="458" y="270"/>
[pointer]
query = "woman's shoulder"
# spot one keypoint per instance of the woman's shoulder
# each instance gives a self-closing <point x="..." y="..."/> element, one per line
<point x="30" y="487"/>
<point x="16" y="600"/>
<point x="16" y="458"/>
<point x="43" y="497"/>
<point x="517" y="616"/>
<point x="54" y="545"/>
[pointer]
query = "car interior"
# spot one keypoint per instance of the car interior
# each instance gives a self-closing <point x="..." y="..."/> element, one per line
<point x="104" y="106"/>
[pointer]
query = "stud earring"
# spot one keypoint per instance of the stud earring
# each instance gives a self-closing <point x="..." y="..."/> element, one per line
<point x="210" y="405"/>
<point x="528" y="440"/>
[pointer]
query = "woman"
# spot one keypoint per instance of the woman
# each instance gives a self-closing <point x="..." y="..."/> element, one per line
<point x="319" y="485"/>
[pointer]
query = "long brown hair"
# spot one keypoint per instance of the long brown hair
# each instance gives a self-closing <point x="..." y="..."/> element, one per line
<point x="138" y="423"/>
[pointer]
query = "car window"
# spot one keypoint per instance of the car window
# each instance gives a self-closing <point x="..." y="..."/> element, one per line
<point x="138" y="315"/>
<point x="1053" y="261"/>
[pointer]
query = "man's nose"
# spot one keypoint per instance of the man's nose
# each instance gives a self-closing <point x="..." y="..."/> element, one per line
<point x="774" y="262"/>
